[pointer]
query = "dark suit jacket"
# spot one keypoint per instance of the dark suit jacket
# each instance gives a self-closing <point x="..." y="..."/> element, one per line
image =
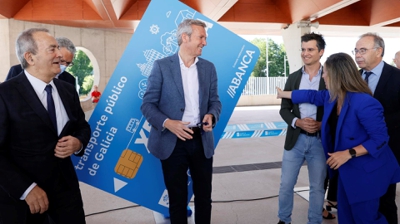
<point x="289" y="110"/>
<point x="17" y="69"/>
<point x="387" y="92"/>
<point x="28" y="138"/>
<point x="164" y="98"/>
<point x="361" y="121"/>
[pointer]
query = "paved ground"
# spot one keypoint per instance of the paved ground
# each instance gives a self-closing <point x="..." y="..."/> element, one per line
<point x="246" y="193"/>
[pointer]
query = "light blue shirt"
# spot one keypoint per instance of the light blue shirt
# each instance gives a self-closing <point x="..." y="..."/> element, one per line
<point x="307" y="109"/>
<point x="374" y="77"/>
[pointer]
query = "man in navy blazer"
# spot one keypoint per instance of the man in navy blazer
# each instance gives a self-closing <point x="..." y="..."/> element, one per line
<point x="37" y="174"/>
<point x="385" y="85"/>
<point x="182" y="105"/>
<point x="68" y="51"/>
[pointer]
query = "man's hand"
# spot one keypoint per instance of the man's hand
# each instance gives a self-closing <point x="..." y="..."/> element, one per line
<point x="179" y="128"/>
<point x="37" y="200"/>
<point x="207" y="122"/>
<point x="308" y="124"/>
<point x="66" y="146"/>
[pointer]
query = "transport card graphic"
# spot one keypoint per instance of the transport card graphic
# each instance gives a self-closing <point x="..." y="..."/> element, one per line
<point x="116" y="159"/>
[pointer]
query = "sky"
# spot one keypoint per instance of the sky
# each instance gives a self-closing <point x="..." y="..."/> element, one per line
<point x="343" y="44"/>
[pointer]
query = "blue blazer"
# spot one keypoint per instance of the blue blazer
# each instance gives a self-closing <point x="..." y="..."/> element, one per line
<point x="164" y="98"/>
<point x="360" y="121"/>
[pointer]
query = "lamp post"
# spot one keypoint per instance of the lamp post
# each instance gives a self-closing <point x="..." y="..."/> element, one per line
<point x="284" y="66"/>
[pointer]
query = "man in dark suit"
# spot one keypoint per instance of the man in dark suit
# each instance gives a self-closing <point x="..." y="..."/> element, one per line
<point x="182" y="105"/>
<point x="302" y="141"/>
<point x="37" y="174"/>
<point x="67" y="49"/>
<point x="384" y="82"/>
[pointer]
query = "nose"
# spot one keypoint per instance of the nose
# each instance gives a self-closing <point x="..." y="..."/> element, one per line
<point x="58" y="53"/>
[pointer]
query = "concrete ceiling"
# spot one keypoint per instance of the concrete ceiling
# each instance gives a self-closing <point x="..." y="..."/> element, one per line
<point x="252" y="17"/>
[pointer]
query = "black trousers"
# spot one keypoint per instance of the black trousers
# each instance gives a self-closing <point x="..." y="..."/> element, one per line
<point x="387" y="205"/>
<point x="188" y="154"/>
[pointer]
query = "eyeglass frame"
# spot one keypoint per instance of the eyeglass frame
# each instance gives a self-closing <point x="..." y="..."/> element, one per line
<point x="68" y="64"/>
<point x="362" y="51"/>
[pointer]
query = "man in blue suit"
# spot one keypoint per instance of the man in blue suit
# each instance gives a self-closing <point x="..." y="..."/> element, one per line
<point x="37" y="175"/>
<point x="182" y="105"/>
<point x="384" y="82"/>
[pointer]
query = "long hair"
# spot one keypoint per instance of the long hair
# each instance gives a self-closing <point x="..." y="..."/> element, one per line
<point x="344" y="77"/>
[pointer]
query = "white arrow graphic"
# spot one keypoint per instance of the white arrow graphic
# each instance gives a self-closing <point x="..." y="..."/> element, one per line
<point x="118" y="184"/>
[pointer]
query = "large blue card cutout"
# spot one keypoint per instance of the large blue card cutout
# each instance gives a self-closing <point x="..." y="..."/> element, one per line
<point x="116" y="159"/>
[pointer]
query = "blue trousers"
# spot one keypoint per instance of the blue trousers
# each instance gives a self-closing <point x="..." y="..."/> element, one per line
<point x="365" y="212"/>
<point x="307" y="148"/>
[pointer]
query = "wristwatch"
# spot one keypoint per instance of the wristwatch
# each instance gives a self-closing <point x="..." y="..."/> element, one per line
<point x="352" y="152"/>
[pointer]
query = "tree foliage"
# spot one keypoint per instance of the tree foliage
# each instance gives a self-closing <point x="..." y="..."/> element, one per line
<point x="82" y="70"/>
<point x="276" y="55"/>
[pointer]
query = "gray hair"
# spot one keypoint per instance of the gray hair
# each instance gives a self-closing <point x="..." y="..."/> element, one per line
<point x="378" y="41"/>
<point x="186" y="27"/>
<point x="26" y="43"/>
<point x="65" y="42"/>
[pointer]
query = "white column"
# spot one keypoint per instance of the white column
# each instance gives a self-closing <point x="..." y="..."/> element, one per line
<point x="5" y="48"/>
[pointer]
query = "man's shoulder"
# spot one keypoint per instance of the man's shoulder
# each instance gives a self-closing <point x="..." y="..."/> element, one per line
<point x="205" y="62"/>
<point x="295" y="74"/>
<point x="168" y="58"/>
<point x="67" y="77"/>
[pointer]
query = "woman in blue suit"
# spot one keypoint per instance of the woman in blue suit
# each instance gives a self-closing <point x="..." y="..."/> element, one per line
<point x="355" y="140"/>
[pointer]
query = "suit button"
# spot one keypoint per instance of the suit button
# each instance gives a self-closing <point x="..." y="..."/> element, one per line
<point x="182" y="109"/>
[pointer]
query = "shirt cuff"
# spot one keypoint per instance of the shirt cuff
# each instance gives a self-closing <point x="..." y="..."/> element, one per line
<point x="28" y="191"/>
<point x="77" y="152"/>
<point x="164" y="124"/>
<point x="294" y="122"/>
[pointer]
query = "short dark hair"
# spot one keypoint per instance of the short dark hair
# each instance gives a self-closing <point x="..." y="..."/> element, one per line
<point x="314" y="36"/>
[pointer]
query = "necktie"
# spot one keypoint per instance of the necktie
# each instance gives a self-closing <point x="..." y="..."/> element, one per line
<point x="50" y="106"/>
<point x="367" y="74"/>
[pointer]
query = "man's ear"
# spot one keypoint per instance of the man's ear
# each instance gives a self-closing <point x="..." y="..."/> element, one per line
<point x="29" y="58"/>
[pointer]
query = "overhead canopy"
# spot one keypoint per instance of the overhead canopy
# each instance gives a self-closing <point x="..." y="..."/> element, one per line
<point x="255" y="17"/>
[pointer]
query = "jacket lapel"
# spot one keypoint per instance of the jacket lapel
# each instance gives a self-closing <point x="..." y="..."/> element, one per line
<point x="343" y="112"/>
<point x="28" y="93"/>
<point x="202" y="80"/>
<point x="176" y="73"/>
<point x="64" y="96"/>
<point x="385" y="77"/>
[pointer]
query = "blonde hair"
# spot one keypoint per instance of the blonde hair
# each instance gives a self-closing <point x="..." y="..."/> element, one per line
<point x="344" y="77"/>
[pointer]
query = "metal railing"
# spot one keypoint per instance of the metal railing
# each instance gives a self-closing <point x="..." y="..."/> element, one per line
<point x="263" y="85"/>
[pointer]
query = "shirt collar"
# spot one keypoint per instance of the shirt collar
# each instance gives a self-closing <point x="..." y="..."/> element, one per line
<point x="377" y="70"/>
<point x="183" y="64"/>
<point x="37" y="84"/>
<point x="319" y="70"/>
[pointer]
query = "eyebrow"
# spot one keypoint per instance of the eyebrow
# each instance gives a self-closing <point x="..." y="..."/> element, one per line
<point x="52" y="46"/>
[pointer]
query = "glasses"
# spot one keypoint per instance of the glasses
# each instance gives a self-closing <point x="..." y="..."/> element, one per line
<point x="67" y="63"/>
<point x="362" y="51"/>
